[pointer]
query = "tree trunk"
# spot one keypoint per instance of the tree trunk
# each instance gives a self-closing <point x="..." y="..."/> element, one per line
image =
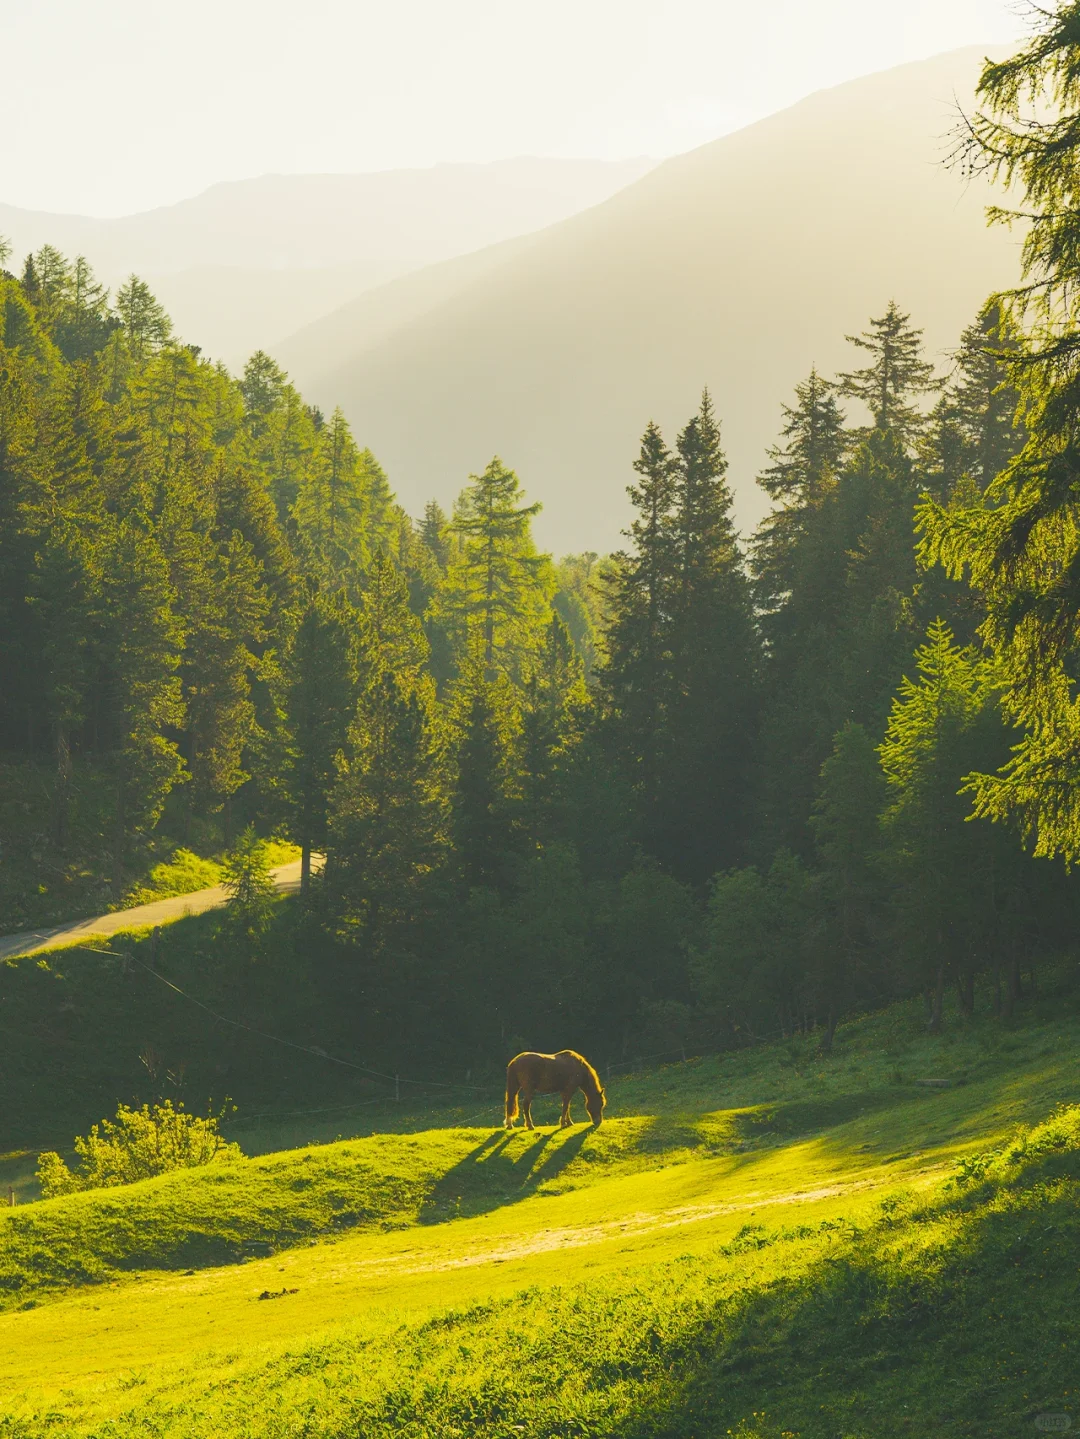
<point x="305" y="866"/>
<point x="830" y="1032"/>
<point x="62" y="792"/>
<point x="936" y="1001"/>
<point x="1013" y="988"/>
<point x="965" y="990"/>
<point x="120" y="841"/>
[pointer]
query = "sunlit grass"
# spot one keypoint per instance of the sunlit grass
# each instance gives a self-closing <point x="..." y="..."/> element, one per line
<point x="769" y="1240"/>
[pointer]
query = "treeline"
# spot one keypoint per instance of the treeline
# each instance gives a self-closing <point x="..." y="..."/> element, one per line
<point x="694" y="793"/>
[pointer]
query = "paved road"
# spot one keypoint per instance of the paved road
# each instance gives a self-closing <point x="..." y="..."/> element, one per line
<point x="162" y="911"/>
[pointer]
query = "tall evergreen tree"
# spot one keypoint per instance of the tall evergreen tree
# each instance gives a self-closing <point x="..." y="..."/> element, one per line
<point x="639" y="596"/>
<point x="934" y="853"/>
<point x="703" y="815"/>
<point x="552" y="724"/>
<point x="496" y="595"/>
<point x="482" y="799"/>
<point x="388" y="808"/>
<point x="1018" y="546"/>
<point x="845" y="824"/>
<point x="895" y="375"/>
<point x="319" y="675"/>
<point x="801" y="476"/>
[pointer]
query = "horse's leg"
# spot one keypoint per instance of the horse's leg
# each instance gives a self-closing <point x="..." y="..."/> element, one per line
<point x="567" y="1099"/>
<point x="526" y="1108"/>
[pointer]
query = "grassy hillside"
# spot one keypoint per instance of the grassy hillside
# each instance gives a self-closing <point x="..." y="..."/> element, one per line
<point x="767" y="1244"/>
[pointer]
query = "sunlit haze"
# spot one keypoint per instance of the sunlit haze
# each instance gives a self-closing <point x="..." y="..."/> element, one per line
<point x="342" y="86"/>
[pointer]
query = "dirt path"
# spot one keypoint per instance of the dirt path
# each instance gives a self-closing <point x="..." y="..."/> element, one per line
<point x="162" y="911"/>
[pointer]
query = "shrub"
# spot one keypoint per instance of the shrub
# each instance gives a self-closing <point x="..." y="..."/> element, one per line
<point x="137" y="1144"/>
<point x="184" y="873"/>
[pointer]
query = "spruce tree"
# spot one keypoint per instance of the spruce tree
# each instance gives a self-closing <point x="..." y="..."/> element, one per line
<point x="553" y="716"/>
<point x="144" y="324"/>
<point x="639" y="597"/>
<point x="1017" y="545"/>
<point x="938" y="862"/>
<point x="847" y="844"/>
<point x="388" y="808"/>
<point x="330" y="510"/>
<point x="895" y="375"/>
<point x="495" y="599"/>
<point x="703" y="809"/>
<point x="482" y="802"/>
<point x="319" y="674"/>
<point x="801" y="475"/>
<point x="434" y="531"/>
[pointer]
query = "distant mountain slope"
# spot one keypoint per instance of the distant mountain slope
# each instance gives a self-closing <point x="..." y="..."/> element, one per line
<point x="738" y="265"/>
<point x="249" y="261"/>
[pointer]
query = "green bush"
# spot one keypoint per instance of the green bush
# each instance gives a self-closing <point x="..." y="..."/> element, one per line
<point x="185" y="873"/>
<point x="137" y="1144"/>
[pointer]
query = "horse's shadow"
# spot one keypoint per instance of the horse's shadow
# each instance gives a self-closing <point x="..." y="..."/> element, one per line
<point x="499" y="1172"/>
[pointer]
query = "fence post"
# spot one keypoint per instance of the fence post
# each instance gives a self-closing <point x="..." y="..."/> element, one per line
<point x="11" y="1196"/>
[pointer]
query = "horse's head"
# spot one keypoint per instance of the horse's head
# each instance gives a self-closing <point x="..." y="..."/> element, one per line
<point x="594" y="1103"/>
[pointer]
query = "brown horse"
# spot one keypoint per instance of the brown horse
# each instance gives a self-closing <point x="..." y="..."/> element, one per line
<point x="530" y="1074"/>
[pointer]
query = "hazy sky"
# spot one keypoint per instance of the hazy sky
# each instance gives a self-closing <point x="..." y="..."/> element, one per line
<point x="110" y="106"/>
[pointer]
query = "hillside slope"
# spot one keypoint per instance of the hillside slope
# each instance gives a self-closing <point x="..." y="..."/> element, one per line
<point x="738" y="265"/>
<point x="248" y="261"/>
<point x="771" y="1243"/>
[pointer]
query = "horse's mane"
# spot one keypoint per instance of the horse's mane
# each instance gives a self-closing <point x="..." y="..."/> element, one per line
<point x="591" y="1072"/>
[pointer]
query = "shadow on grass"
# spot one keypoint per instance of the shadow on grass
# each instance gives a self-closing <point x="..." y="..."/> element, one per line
<point x="497" y="1172"/>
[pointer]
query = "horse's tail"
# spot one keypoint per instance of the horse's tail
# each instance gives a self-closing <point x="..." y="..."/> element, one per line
<point x="511" y="1094"/>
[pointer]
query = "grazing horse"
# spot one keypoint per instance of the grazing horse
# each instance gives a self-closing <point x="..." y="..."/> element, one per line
<point x="530" y="1074"/>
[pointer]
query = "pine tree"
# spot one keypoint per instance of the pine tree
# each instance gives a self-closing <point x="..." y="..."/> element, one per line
<point x="552" y="724"/>
<point x="838" y="643"/>
<point x="639" y="597"/>
<point x="703" y="811"/>
<point x="482" y="808"/>
<point x="895" y="375"/>
<point x="495" y="599"/>
<point x="84" y="321"/>
<point x="937" y="860"/>
<point x="330" y="510"/>
<point x="251" y="890"/>
<point x="1017" y="545"/>
<point x="972" y="432"/>
<point x="388" y="808"/>
<point x="145" y="327"/>
<point x="139" y="650"/>
<point x="434" y="531"/>
<point x="845" y="824"/>
<point x="801" y="476"/>
<point x="320" y="678"/>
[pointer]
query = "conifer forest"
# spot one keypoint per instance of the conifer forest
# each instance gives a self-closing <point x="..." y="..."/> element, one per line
<point x="762" y="838"/>
<point x="708" y="789"/>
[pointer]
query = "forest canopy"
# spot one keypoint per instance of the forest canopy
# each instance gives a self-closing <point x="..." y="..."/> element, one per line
<point x="699" y="791"/>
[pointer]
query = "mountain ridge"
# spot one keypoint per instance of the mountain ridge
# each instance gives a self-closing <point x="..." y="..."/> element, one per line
<point x="736" y="265"/>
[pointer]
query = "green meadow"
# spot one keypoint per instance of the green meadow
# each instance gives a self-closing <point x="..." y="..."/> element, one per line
<point x="885" y="1241"/>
